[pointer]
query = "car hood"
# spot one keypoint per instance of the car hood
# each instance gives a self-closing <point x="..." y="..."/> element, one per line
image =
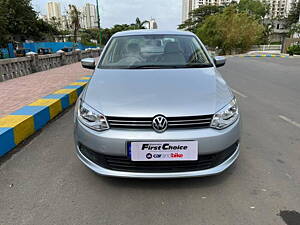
<point x="149" y="92"/>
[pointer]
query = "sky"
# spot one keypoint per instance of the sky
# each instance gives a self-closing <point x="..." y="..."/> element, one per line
<point x="167" y="13"/>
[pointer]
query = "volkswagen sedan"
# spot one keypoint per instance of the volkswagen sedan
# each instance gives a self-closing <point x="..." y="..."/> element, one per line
<point x="156" y="107"/>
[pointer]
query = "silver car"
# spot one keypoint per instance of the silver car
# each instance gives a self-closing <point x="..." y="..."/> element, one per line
<point x="156" y="107"/>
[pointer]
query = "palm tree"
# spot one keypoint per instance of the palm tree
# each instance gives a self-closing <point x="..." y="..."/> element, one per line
<point x="139" y="24"/>
<point x="75" y="20"/>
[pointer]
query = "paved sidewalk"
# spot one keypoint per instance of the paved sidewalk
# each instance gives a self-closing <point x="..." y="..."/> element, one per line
<point x="22" y="91"/>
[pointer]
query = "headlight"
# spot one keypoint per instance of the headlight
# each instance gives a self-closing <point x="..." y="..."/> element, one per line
<point x="226" y="116"/>
<point x="91" y="118"/>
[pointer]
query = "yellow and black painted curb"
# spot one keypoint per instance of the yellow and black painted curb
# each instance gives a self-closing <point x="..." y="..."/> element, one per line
<point x="24" y="122"/>
<point x="264" y="56"/>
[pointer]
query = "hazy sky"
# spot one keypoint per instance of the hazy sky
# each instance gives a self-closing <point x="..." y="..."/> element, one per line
<point x="166" y="12"/>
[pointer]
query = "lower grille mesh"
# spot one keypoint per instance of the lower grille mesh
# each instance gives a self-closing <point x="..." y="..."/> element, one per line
<point x="125" y="164"/>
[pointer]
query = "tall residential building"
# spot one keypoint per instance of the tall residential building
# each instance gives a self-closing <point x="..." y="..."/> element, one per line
<point x="53" y="10"/>
<point x="198" y="3"/>
<point x="152" y="24"/>
<point x="66" y="22"/>
<point x="280" y="8"/>
<point x="89" y="16"/>
<point x="190" y="5"/>
<point x="187" y="7"/>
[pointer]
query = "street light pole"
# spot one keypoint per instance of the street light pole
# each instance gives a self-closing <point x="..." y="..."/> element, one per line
<point x="98" y="16"/>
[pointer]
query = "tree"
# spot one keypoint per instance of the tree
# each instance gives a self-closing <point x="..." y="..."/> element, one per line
<point x="19" y="22"/>
<point x="197" y="16"/>
<point x="294" y="14"/>
<point x="46" y="31"/>
<point x="20" y="18"/>
<point x="139" y="24"/>
<point x="55" y="22"/>
<point x="230" y="31"/>
<point x="295" y="30"/>
<point x="254" y="8"/>
<point x="4" y="35"/>
<point x="75" y="20"/>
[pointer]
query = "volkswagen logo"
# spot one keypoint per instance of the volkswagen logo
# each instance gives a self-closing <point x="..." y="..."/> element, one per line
<point x="160" y="124"/>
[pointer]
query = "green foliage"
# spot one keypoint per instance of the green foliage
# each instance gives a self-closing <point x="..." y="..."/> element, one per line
<point x="87" y="35"/>
<point x="295" y="29"/>
<point x="294" y="14"/>
<point x="294" y="50"/>
<point x="139" y="24"/>
<point x="198" y="15"/>
<point x="254" y="8"/>
<point x="93" y="34"/>
<point x="45" y="30"/>
<point x="18" y="21"/>
<point x="230" y="31"/>
<point x="4" y="34"/>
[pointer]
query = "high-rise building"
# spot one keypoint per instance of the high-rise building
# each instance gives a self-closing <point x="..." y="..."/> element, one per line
<point x="53" y="11"/>
<point x="190" y="5"/>
<point x="152" y="24"/>
<point x="198" y="3"/>
<point x="187" y="7"/>
<point x="89" y="16"/>
<point x="280" y="8"/>
<point x="66" y="22"/>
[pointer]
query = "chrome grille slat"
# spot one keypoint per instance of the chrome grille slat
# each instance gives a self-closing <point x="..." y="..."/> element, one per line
<point x="187" y="124"/>
<point x="173" y="122"/>
<point x="186" y="121"/>
<point x="130" y="124"/>
<point x="122" y="121"/>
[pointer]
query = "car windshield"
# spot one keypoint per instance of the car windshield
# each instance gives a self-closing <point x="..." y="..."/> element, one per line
<point x="154" y="51"/>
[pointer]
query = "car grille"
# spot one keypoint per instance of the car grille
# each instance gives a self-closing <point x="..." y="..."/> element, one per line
<point x="173" y="122"/>
<point x="121" y="163"/>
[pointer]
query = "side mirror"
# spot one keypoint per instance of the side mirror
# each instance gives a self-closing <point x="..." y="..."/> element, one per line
<point x="219" y="61"/>
<point x="88" y="63"/>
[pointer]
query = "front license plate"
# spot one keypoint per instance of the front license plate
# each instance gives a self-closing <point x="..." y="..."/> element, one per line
<point x="163" y="151"/>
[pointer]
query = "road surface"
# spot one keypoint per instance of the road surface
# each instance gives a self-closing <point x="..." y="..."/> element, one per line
<point x="45" y="184"/>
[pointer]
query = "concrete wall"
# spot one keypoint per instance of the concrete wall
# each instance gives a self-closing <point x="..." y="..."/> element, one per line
<point x="266" y="48"/>
<point x="288" y="42"/>
<point x="16" y="67"/>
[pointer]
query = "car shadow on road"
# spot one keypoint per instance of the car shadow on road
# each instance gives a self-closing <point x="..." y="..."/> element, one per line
<point x="168" y="184"/>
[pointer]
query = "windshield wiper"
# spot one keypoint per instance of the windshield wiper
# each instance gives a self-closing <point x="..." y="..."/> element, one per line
<point x="197" y="65"/>
<point x="152" y="67"/>
<point x="170" y="66"/>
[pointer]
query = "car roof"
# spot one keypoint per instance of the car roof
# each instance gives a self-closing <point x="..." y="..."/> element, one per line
<point x="152" y="32"/>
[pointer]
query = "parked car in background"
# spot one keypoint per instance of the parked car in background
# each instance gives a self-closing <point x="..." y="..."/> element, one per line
<point x="21" y="52"/>
<point x="44" y="51"/>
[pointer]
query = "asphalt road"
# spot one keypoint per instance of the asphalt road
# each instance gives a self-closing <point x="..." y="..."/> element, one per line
<point x="44" y="183"/>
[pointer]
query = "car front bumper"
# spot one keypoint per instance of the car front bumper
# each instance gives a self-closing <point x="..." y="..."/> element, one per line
<point x="113" y="142"/>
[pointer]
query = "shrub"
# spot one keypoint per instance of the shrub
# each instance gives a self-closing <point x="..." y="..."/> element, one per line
<point x="294" y="50"/>
<point x="230" y="31"/>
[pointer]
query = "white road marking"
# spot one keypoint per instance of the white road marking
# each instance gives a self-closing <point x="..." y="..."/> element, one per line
<point x="289" y="176"/>
<point x="239" y="93"/>
<point x="289" y="121"/>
